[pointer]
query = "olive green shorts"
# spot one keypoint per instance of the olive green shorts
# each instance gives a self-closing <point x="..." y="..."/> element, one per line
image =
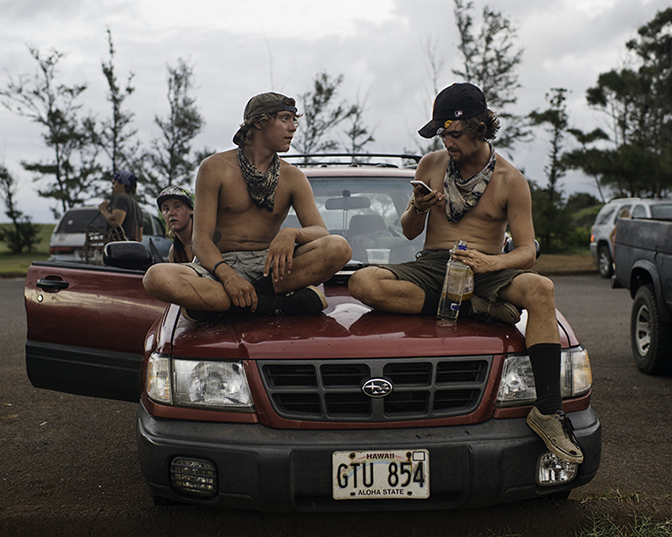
<point x="429" y="270"/>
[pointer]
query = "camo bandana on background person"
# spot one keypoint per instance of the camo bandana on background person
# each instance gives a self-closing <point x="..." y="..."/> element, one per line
<point x="261" y="186"/>
<point x="462" y="194"/>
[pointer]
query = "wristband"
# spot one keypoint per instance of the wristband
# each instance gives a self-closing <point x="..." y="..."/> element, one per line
<point x="214" y="269"/>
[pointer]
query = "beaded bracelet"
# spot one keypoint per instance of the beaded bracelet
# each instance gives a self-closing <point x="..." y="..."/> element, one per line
<point x="418" y="211"/>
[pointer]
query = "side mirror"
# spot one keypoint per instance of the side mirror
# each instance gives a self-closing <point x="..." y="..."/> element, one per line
<point x="127" y="255"/>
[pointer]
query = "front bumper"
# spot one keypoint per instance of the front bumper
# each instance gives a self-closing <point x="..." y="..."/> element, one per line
<point x="290" y="470"/>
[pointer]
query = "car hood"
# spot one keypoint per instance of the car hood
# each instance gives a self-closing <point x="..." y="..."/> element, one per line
<point x="346" y="329"/>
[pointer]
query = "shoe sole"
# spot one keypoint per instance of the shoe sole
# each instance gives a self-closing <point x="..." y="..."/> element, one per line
<point x="320" y="294"/>
<point x="551" y="446"/>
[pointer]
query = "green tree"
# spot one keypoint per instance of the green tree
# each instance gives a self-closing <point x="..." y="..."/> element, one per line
<point x="55" y="106"/>
<point x="588" y="158"/>
<point x="22" y="235"/>
<point x="321" y="114"/>
<point x="637" y="100"/>
<point x="172" y="162"/>
<point x="116" y="134"/>
<point x="358" y="134"/>
<point x="490" y="60"/>
<point x="555" y="118"/>
<point x="435" y="62"/>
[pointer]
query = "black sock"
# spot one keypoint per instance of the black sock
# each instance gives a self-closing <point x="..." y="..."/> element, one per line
<point x="264" y="285"/>
<point x="545" y="359"/>
<point x="265" y="306"/>
<point x="431" y="304"/>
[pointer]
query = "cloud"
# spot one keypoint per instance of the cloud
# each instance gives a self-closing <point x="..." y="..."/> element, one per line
<point x="239" y="49"/>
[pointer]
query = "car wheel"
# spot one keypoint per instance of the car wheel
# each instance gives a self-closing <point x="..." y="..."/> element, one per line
<point x="650" y="336"/>
<point x="605" y="264"/>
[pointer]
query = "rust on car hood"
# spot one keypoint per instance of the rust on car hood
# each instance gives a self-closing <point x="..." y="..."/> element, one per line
<point x="346" y="329"/>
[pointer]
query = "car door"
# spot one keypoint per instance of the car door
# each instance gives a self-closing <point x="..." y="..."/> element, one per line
<point x="86" y="327"/>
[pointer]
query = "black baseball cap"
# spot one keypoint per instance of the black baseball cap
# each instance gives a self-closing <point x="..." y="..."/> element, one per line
<point x="459" y="101"/>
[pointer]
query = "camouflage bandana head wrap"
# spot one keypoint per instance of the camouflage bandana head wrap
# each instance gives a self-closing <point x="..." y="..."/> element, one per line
<point x="462" y="194"/>
<point x="261" y="186"/>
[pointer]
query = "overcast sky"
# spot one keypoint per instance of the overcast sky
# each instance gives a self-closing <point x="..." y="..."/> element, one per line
<point x="239" y="48"/>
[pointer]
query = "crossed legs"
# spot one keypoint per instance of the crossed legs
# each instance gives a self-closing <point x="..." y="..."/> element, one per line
<point x="313" y="263"/>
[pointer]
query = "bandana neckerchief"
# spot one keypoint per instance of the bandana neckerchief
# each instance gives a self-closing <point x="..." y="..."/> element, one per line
<point x="261" y="186"/>
<point x="463" y="194"/>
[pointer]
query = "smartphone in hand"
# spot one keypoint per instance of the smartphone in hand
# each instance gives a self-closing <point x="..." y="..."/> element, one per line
<point x="425" y="189"/>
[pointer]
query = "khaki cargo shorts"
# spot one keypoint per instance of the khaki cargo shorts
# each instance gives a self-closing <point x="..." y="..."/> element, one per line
<point x="248" y="264"/>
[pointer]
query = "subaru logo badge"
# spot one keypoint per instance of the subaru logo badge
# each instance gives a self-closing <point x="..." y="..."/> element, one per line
<point x="377" y="387"/>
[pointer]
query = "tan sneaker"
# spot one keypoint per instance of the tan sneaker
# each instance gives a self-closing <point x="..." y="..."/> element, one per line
<point x="557" y="433"/>
<point x="501" y="311"/>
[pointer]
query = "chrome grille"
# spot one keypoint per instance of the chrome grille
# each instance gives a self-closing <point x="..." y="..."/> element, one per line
<point x="330" y="390"/>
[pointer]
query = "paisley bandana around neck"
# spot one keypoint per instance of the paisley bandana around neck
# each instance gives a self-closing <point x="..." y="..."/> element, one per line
<point x="462" y="194"/>
<point x="261" y="186"/>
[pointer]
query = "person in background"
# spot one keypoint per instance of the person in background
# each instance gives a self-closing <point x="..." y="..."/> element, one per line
<point x="123" y="212"/>
<point x="177" y="207"/>
<point x="624" y="213"/>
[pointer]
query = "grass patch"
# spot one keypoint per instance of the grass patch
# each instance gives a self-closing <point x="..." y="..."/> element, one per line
<point x="16" y="265"/>
<point x="641" y="526"/>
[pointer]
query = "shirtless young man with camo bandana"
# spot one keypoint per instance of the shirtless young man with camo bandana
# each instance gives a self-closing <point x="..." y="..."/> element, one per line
<point x="475" y="195"/>
<point x="246" y="262"/>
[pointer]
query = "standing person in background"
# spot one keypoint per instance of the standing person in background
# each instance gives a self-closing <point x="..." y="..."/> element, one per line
<point x="177" y="207"/>
<point x="123" y="211"/>
<point x="624" y="213"/>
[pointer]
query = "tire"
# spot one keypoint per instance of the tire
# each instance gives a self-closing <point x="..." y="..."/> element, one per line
<point x="605" y="265"/>
<point x="650" y="336"/>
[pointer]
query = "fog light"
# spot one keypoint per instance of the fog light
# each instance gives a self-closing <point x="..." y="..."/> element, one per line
<point x="194" y="476"/>
<point x="552" y="470"/>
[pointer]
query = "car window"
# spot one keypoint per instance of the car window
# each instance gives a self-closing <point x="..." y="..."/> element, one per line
<point x="78" y="221"/>
<point x="604" y="215"/>
<point x="639" y="211"/>
<point x="366" y="212"/>
<point x="151" y="225"/>
<point x="662" y="210"/>
<point x="620" y="209"/>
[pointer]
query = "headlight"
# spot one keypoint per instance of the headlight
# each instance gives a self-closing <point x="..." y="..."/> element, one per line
<point x="198" y="383"/>
<point x="157" y="382"/>
<point x="211" y="384"/>
<point x="516" y="386"/>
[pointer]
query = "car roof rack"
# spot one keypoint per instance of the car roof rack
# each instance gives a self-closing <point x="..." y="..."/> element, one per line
<point x="356" y="159"/>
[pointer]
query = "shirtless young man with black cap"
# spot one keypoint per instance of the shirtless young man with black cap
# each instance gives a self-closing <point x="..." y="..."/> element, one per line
<point x="246" y="262"/>
<point x="475" y="195"/>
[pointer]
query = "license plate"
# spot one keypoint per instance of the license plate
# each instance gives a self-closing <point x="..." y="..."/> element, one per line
<point x="365" y="475"/>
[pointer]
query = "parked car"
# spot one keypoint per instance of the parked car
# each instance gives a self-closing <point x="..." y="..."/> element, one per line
<point x="644" y="266"/>
<point x="69" y="242"/>
<point x="348" y="410"/>
<point x="601" y="245"/>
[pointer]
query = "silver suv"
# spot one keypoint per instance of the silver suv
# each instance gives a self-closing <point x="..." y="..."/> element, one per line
<point x="601" y="245"/>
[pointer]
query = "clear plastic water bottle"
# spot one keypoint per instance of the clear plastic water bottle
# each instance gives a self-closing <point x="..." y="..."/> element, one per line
<point x="454" y="285"/>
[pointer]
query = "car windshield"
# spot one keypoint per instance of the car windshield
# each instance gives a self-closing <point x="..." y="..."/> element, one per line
<point x="366" y="212"/>
<point x="661" y="211"/>
<point x="78" y="221"/>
